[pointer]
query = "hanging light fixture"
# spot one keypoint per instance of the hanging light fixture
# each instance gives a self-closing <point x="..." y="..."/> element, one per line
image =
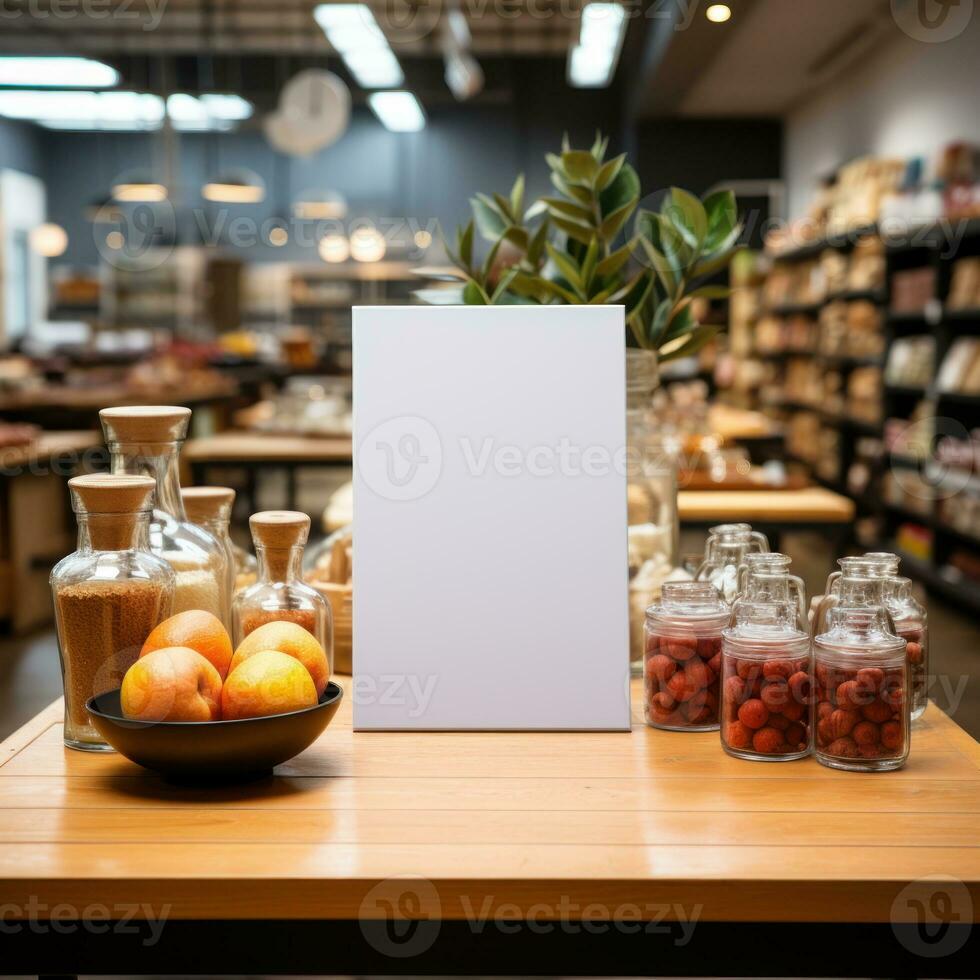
<point x="239" y="186"/>
<point x="103" y="210"/>
<point x="314" y="205"/>
<point x="367" y="245"/>
<point x="334" y="248"/>
<point x="137" y="186"/>
<point x="49" y="240"/>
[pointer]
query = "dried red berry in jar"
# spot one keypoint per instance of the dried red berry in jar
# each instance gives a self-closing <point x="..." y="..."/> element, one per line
<point x="842" y="722"/>
<point x="753" y="714"/>
<point x="845" y="747"/>
<point x="738" y="736"/>
<point x="775" y="694"/>
<point x="877" y="711"/>
<point x="795" y="736"/>
<point x="781" y="669"/>
<point x="661" y="667"/>
<point x="736" y="690"/>
<point x="801" y="687"/>
<point x="681" y="647"/>
<point x="891" y="735"/>
<point x="865" y="733"/>
<point x="768" y="740"/>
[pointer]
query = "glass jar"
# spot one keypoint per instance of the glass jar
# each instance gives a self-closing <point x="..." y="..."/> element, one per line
<point x="145" y="440"/>
<point x="651" y="489"/>
<point x="682" y="660"/>
<point x="280" y="594"/>
<point x="912" y="625"/>
<point x="108" y="595"/>
<point x="862" y="704"/>
<point x="766" y="682"/>
<point x="766" y="577"/>
<point x="211" y="508"/>
<point x="859" y="583"/>
<point x="724" y="552"/>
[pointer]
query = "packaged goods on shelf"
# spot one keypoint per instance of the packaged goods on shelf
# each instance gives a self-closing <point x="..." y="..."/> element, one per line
<point x="911" y="361"/>
<point x="866" y="269"/>
<point x="960" y="370"/>
<point x="851" y="329"/>
<point x="794" y="284"/>
<point x="861" y="472"/>
<point x="961" y="511"/>
<point x="864" y="395"/>
<point x="834" y="267"/>
<point x="964" y="289"/>
<point x="915" y="540"/>
<point x="854" y="201"/>
<point x="906" y="489"/>
<point x="803" y="435"/>
<point x="913" y="290"/>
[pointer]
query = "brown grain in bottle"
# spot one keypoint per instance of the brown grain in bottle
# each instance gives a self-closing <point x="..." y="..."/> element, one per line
<point x="254" y="618"/>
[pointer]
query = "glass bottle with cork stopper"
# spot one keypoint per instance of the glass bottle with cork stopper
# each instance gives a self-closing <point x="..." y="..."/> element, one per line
<point x="108" y="595"/>
<point x="211" y="508"/>
<point x="280" y="592"/>
<point x="145" y="440"/>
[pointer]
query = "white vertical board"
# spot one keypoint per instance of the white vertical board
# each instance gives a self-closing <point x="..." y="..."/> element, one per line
<point x="490" y="571"/>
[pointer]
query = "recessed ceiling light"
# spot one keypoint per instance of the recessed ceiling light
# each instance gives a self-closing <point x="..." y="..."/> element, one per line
<point x="354" y="34"/>
<point x="398" y="111"/>
<point x="592" y="62"/>
<point x="56" y="72"/>
<point x="718" y="13"/>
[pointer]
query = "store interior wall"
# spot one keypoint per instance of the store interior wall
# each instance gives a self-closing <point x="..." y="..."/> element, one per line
<point x="907" y="98"/>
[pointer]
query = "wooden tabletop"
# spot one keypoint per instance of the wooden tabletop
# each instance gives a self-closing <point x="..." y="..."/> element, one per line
<point x="612" y="818"/>
<point x="254" y="447"/>
<point x="47" y="446"/>
<point x="812" y="505"/>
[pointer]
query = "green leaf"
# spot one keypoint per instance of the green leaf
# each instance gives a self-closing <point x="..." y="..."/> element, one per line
<point x="612" y="225"/>
<point x="722" y="211"/>
<point x="675" y="249"/>
<point x="474" y="294"/>
<point x="659" y="322"/>
<point x="624" y="188"/>
<point x="555" y="164"/>
<point x="715" y="263"/>
<point x="559" y="291"/>
<point x="689" y="215"/>
<point x="589" y="264"/>
<point x="466" y="246"/>
<point x="538" y="207"/>
<point x="518" y="236"/>
<point x="609" y="171"/>
<point x="690" y="345"/>
<point x="517" y="197"/>
<point x="600" y="297"/>
<point x="638" y="294"/>
<point x="615" y="261"/>
<point x="565" y="143"/>
<point x="661" y="266"/>
<point x="489" y="222"/>
<point x="573" y="230"/>
<point x="439" y="274"/>
<point x="558" y="205"/>
<point x="599" y="146"/>
<point x="503" y="206"/>
<point x="491" y="257"/>
<point x="535" y="248"/>
<point x="579" y="165"/>
<point x="505" y="280"/>
<point x="711" y="292"/>
<point x="681" y="321"/>
<point x="567" y="267"/>
<point x="582" y="194"/>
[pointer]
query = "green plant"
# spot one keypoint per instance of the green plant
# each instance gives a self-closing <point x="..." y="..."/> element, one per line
<point x="576" y="247"/>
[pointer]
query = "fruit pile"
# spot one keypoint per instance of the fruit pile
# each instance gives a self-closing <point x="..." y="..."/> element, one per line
<point x="187" y="671"/>
<point x="765" y="705"/>
<point x="915" y="651"/>
<point x="860" y="712"/>
<point x="681" y="674"/>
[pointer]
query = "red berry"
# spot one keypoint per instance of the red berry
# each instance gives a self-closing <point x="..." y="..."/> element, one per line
<point x="851" y="695"/>
<point x="795" y="735"/>
<point x="753" y="713"/>
<point x="698" y="674"/>
<point x="767" y="740"/>
<point x="735" y="690"/>
<point x="697" y="712"/>
<point x="877" y="712"/>
<point x="871" y="677"/>
<point x="777" y="668"/>
<point x="653" y="643"/>
<point x="842" y="722"/>
<point x="662" y="703"/>
<point x="708" y="646"/>
<point x="865" y="733"/>
<point x="775" y="694"/>
<point x="779" y="721"/>
<point x="738" y="736"/>
<point x="843" y="747"/>
<point x="914" y="652"/>
<point x="661" y="668"/>
<point x="824" y="710"/>
<point x="715" y="663"/>
<point x="680" y="686"/>
<point x="825" y="732"/>
<point x="794" y="711"/>
<point x="801" y="687"/>
<point x="872" y="751"/>
<point x="748" y="670"/>
<point x="681" y="647"/>
<point x="891" y="735"/>
<point x="893" y="693"/>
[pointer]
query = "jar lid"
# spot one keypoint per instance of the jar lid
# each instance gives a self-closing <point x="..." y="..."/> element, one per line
<point x="860" y="630"/>
<point x="277" y="529"/>
<point x="207" y="503"/>
<point x="689" y="603"/>
<point x="766" y="623"/>
<point x="145" y="424"/>
<point x="103" y="493"/>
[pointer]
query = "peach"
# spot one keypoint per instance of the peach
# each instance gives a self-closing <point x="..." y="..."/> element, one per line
<point x="195" y="628"/>
<point x="172" y="684"/>
<point x="292" y="640"/>
<point x="268" y="682"/>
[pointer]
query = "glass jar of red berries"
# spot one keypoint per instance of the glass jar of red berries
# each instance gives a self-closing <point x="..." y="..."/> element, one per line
<point x="912" y="625"/>
<point x="766" y="683"/>
<point x="682" y="659"/>
<point x="862" y="698"/>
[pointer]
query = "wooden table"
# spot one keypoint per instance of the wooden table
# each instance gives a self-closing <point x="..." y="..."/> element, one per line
<point x="253" y="451"/>
<point x="461" y="853"/>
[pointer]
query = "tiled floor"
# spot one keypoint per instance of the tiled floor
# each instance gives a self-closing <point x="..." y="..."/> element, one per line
<point x="30" y="677"/>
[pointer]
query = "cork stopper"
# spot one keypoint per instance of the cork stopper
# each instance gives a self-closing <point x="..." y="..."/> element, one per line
<point x="204" y="504"/>
<point x="112" y="505"/>
<point x="145" y="428"/>
<point x="277" y="532"/>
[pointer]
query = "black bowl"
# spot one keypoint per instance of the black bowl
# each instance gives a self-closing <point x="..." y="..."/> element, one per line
<point x="229" y="749"/>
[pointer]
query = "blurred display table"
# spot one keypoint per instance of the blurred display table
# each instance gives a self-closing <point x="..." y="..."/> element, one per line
<point x="495" y="847"/>
<point x="253" y="451"/>
<point x="37" y="528"/>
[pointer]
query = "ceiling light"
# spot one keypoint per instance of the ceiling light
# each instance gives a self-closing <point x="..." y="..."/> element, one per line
<point x="367" y="245"/>
<point x="115" y="240"/>
<point x="333" y="248"/>
<point x="398" y="111"/>
<point x="592" y="62"/>
<point x="354" y="34"/>
<point x="319" y="205"/>
<point x="278" y="236"/>
<point x="235" y="187"/>
<point x="56" y="73"/>
<point x="718" y="13"/>
<point x="210" y="111"/>
<point x="423" y="238"/>
<point x="49" y="240"/>
<point x="138" y="187"/>
<point x="84" y="110"/>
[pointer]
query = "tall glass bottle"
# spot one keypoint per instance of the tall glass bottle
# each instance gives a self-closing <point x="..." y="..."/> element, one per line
<point x="108" y="595"/>
<point x="211" y="508"/>
<point x="145" y="440"/>
<point x="280" y="592"/>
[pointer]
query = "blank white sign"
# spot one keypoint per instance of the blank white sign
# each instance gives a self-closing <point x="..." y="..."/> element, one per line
<point x="490" y="573"/>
